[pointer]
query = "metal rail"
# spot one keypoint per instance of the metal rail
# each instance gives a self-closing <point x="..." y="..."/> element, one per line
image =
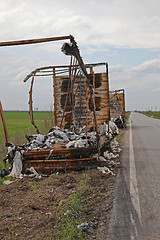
<point x="33" y="41"/>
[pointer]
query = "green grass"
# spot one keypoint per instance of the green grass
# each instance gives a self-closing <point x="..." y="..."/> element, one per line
<point x="74" y="211"/>
<point x="19" y="124"/>
<point x="25" y="115"/>
<point x="152" y="114"/>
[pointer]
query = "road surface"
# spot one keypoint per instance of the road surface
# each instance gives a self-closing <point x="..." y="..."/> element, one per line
<point x="136" y="211"/>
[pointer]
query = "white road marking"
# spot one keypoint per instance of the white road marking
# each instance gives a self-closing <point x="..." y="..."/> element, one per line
<point x="133" y="179"/>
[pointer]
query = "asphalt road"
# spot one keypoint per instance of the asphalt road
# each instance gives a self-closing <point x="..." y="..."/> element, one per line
<point x="136" y="211"/>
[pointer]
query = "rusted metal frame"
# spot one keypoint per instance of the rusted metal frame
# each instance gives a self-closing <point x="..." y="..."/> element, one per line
<point x="54" y="96"/>
<point x="60" y="151"/>
<point x="72" y="119"/>
<point x="80" y="100"/>
<point x="4" y="123"/>
<point x="50" y="74"/>
<point x="94" y="109"/>
<point x="86" y="108"/>
<point x="31" y="106"/>
<point x="72" y="76"/>
<point x="68" y="90"/>
<point x="72" y="91"/>
<point x="118" y="103"/>
<point x="33" y="41"/>
<point x="44" y="75"/>
<point x="108" y="96"/>
<point x="91" y="72"/>
<point x="117" y="92"/>
<point x="124" y="107"/>
<point x="59" y="160"/>
<point x="83" y="68"/>
<point x="69" y="83"/>
<point x="71" y="68"/>
<point x="46" y="71"/>
<point x="50" y="165"/>
<point x="64" y="66"/>
<point x="72" y="65"/>
<point x="79" y="86"/>
<point x="58" y="70"/>
<point x="78" y="57"/>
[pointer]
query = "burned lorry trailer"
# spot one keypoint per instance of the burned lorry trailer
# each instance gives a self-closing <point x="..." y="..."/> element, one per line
<point x="77" y="105"/>
<point x="72" y="100"/>
<point x="117" y="106"/>
<point x="73" y="109"/>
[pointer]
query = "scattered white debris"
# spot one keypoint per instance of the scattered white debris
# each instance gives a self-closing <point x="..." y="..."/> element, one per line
<point x="78" y="144"/>
<point x="33" y="173"/>
<point x="17" y="165"/>
<point x="113" y="129"/>
<point x="67" y="212"/>
<point x="88" y="226"/>
<point x="7" y="182"/>
<point x="102" y="159"/>
<point x="56" y="135"/>
<point x="105" y="170"/>
<point x="83" y="226"/>
<point x="48" y="213"/>
<point x="107" y="155"/>
<point x="112" y="155"/>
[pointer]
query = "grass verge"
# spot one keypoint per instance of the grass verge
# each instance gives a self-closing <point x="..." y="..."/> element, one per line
<point x="151" y="114"/>
<point x="74" y="211"/>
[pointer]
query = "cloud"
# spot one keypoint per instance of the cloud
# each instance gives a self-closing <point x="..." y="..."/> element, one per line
<point x="120" y="23"/>
<point x="100" y="28"/>
<point x="141" y="84"/>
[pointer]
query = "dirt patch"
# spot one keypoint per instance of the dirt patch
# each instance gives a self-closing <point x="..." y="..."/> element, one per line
<point x="30" y="208"/>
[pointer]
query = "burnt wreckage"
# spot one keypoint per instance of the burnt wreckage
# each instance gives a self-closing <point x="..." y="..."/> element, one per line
<point x="117" y="107"/>
<point x="82" y="113"/>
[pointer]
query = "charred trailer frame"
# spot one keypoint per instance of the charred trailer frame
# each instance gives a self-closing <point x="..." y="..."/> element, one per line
<point x="73" y="106"/>
<point x="76" y="84"/>
<point x="117" y="106"/>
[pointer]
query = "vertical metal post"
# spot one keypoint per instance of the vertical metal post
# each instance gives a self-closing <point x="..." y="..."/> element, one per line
<point x="54" y="96"/>
<point x="86" y="108"/>
<point x="108" y="92"/>
<point x="92" y="72"/>
<point x="4" y="123"/>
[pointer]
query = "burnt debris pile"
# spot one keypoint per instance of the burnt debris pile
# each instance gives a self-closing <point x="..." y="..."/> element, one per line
<point x="66" y="139"/>
<point x="58" y="135"/>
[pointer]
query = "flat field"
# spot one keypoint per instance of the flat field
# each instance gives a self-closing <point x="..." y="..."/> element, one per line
<point x="19" y="124"/>
<point x="152" y="114"/>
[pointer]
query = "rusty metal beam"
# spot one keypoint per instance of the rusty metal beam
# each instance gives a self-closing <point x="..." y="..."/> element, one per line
<point x="54" y="93"/>
<point x="62" y="66"/>
<point x="86" y="109"/>
<point x="31" y="106"/>
<point x="33" y="41"/>
<point x="4" y="123"/>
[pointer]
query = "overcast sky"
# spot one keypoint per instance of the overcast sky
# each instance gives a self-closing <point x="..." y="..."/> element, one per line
<point x="124" y="33"/>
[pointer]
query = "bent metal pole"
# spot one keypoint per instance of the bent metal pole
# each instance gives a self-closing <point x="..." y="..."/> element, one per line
<point x="4" y="123"/>
<point x="32" y="41"/>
